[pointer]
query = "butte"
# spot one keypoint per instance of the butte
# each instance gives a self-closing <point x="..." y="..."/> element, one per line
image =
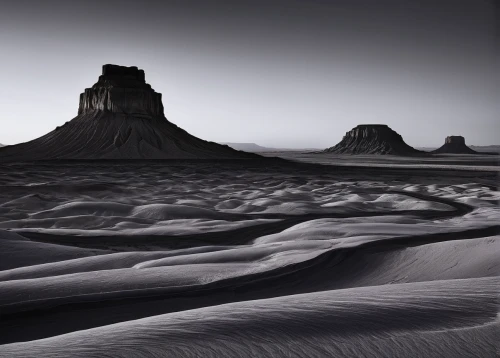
<point x="454" y="145"/>
<point x="373" y="139"/>
<point x="120" y="117"/>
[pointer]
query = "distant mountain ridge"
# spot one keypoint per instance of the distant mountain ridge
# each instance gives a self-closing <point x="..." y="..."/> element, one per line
<point x="255" y="148"/>
<point x="486" y="148"/>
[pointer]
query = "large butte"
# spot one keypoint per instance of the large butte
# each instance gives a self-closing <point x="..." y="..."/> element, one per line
<point x="119" y="117"/>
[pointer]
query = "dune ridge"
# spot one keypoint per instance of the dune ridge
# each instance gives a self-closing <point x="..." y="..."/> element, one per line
<point x="230" y="260"/>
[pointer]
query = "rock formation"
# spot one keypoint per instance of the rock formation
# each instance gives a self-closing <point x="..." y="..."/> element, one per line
<point x="121" y="90"/>
<point x="120" y="117"/>
<point x="454" y="145"/>
<point x="373" y="139"/>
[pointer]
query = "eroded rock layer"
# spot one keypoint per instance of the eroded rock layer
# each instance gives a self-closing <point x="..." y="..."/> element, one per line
<point x="121" y="90"/>
<point x="120" y="117"/>
<point x="373" y="139"/>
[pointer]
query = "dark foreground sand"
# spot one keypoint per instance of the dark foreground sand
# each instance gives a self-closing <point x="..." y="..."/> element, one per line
<point x="251" y="258"/>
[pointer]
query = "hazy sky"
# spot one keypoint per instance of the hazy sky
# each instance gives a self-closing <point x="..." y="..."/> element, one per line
<point x="278" y="73"/>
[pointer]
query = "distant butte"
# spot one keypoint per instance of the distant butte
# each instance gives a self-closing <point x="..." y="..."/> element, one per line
<point x="373" y="139"/>
<point x="119" y="117"/>
<point x="454" y="145"/>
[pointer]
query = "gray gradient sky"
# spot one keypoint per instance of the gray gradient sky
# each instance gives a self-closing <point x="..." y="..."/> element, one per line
<point x="278" y="73"/>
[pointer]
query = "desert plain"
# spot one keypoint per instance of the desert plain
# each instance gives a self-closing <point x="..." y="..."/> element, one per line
<point x="384" y="257"/>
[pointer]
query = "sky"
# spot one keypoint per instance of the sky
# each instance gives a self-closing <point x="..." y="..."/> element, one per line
<point x="294" y="73"/>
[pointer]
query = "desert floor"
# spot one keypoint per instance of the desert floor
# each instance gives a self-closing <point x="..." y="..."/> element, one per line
<point x="362" y="257"/>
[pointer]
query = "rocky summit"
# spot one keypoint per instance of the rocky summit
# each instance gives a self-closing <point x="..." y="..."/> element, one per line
<point x="119" y="117"/>
<point x="454" y="145"/>
<point x="121" y="90"/>
<point x="373" y="139"/>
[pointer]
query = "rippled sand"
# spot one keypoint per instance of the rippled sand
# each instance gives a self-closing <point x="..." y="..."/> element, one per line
<point x="214" y="259"/>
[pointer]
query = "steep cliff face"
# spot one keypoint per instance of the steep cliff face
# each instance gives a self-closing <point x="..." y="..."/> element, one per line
<point x="121" y="90"/>
<point x="454" y="145"/>
<point x="120" y="117"/>
<point x="373" y="139"/>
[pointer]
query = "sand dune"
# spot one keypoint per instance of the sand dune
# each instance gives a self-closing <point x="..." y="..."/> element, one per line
<point x="17" y="251"/>
<point x="226" y="260"/>
<point x="435" y="319"/>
